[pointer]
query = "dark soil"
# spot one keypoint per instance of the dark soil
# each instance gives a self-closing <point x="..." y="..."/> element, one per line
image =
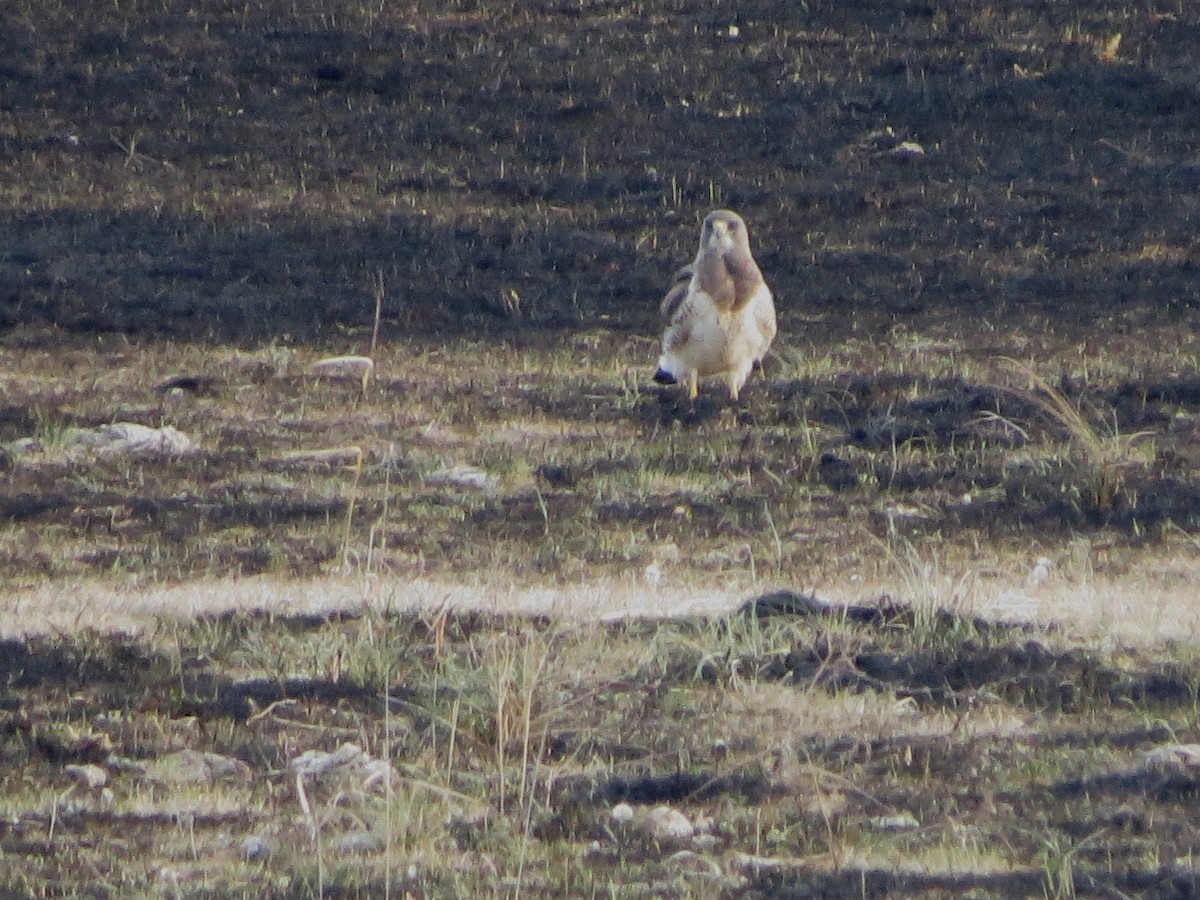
<point x="258" y="173"/>
<point x="246" y="172"/>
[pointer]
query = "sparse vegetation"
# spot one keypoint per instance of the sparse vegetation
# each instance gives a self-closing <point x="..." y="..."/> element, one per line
<point x="394" y="272"/>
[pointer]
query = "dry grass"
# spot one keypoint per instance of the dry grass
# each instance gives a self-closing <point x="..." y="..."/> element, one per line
<point x="507" y="565"/>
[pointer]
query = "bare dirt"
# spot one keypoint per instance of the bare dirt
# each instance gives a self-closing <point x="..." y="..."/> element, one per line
<point x="199" y="202"/>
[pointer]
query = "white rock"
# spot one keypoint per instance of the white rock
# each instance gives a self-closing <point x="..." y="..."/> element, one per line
<point x="690" y="861"/>
<point x="652" y="574"/>
<point x="349" y="455"/>
<point x="667" y="825"/>
<point x="904" y="821"/>
<point x="756" y="865"/>
<point x="1181" y="758"/>
<point x="1039" y="574"/>
<point x="907" y="150"/>
<point x="359" y="842"/>
<point x="358" y="368"/>
<point x="255" y="847"/>
<point x="128" y="439"/>
<point x="196" y="767"/>
<point x="318" y="763"/>
<point x="87" y="776"/>
<point x="622" y="814"/>
<point x="666" y="554"/>
<point x="349" y="762"/>
<point x="26" y="445"/>
<point x="463" y="477"/>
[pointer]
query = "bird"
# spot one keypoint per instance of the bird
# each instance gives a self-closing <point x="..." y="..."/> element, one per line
<point x="720" y="314"/>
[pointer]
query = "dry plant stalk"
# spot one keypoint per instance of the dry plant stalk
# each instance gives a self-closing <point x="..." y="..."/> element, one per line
<point x="1104" y="457"/>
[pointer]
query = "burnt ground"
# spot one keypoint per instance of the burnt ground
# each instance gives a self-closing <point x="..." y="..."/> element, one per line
<point x="246" y="173"/>
<point x="200" y="200"/>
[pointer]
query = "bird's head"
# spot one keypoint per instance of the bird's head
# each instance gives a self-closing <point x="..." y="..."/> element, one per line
<point x="724" y="232"/>
<point x="724" y="237"/>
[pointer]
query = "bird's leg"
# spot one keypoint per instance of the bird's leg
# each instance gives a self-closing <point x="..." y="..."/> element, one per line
<point x="693" y="384"/>
<point x="737" y="380"/>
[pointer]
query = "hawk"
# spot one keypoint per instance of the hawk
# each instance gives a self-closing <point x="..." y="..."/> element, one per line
<point x="720" y="315"/>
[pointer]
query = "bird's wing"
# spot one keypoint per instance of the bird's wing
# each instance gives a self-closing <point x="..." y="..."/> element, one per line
<point x="674" y="299"/>
<point x="764" y="317"/>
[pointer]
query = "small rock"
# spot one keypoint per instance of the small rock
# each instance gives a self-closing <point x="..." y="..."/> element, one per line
<point x="196" y="767"/>
<point x="89" y="776"/>
<point x="129" y="439"/>
<point x="348" y="762"/>
<point x="1039" y="574"/>
<point x="124" y="764"/>
<point x="691" y="861"/>
<point x="706" y="843"/>
<point x="463" y="477"/>
<point x="652" y="574"/>
<point x="904" y="821"/>
<point x="358" y="842"/>
<point x="350" y="455"/>
<point x="622" y="814"/>
<point x="1178" y="758"/>
<point x="358" y="368"/>
<point x="255" y="847"/>
<point x="666" y="554"/>
<point x="191" y="384"/>
<point x="755" y="865"/>
<point x="667" y="826"/>
<point x="907" y="150"/>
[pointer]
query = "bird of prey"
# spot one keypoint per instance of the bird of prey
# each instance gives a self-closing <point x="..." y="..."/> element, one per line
<point x="720" y="315"/>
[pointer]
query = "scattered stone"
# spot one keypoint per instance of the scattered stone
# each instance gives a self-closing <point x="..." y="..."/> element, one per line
<point x="750" y="864"/>
<point x="1182" y="759"/>
<point x="117" y="763"/>
<point x="177" y="875"/>
<point x="1039" y="574"/>
<point x="63" y="741"/>
<point x="666" y="554"/>
<point x="330" y="456"/>
<point x="128" y="439"/>
<point x="622" y="814"/>
<point x="25" y="445"/>
<point x="667" y="826"/>
<point x="904" y="821"/>
<point x="359" y="842"/>
<point x="705" y="843"/>
<point x="255" y="847"/>
<point x="902" y="512"/>
<point x="88" y="776"/>
<point x="690" y="861"/>
<point x="196" y="767"/>
<point x="652" y="574"/>
<point x="907" y="151"/>
<point x="348" y="762"/>
<point x="358" y="368"/>
<point x="188" y="384"/>
<point x="463" y="477"/>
